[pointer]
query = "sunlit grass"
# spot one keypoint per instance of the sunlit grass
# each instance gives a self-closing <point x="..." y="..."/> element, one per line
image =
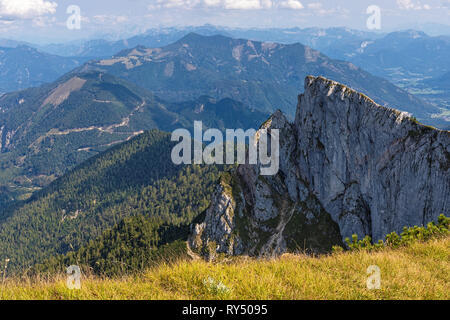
<point x="419" y="271"/>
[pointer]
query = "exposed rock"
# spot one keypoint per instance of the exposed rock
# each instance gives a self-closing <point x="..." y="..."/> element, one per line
<point x="62" y="92"/>
<point x="5" y="138"/>
<point x="1" y="138"/>
<point x="347" y="166"/>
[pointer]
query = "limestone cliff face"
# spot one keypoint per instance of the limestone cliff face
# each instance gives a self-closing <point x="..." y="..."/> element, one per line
<point x="347" y="166"/>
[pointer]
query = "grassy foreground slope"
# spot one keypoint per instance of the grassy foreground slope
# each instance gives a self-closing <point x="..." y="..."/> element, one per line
<point x="418" y="271"/>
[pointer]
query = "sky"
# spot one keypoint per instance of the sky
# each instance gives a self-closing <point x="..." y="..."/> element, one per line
<point x="47" y="20"/>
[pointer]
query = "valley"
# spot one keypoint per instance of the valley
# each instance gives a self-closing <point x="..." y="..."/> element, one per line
<point x="356" y="121"/>
<point x="49" y="130"/>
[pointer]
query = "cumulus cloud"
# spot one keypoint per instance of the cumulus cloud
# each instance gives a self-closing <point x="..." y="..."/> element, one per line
<point x="291" y="4"/>
<point x="26" y="9"/>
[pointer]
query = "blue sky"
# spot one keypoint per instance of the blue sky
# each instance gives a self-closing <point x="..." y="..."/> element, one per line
<point x="45" y="20"/>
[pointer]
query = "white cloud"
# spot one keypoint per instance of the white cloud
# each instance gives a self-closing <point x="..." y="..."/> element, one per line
<point x="247" y="4"/>
<point x="185" y="4"/>
<point x="26" y="9"/>
<point x="412" y="5"/>
<point x="318" y="9"/>
<point x="291" y="4"/>
<point x="212" y="3"/>
<point x="315" y="5"/>
<point x="180" y="3"/>
<point x="109" y="19"/>
<point x="405" y="4"/>
<point x="44" y="21"/>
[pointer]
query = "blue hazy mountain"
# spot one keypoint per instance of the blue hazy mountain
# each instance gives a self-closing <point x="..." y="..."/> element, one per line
<point x="263" y="75"/>
<point x="23" y="67"/>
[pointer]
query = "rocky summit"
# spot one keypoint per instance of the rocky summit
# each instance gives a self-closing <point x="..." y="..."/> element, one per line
<point x="347" y="166"/>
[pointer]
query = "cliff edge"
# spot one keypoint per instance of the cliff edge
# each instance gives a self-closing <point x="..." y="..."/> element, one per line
<point x="347" y="166"/>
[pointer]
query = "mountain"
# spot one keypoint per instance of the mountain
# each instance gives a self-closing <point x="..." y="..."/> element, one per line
<point x="24" y="67"/>
<point x="325" y="40"/>
<point x="264" y="76"/>
<point x="221" y="114"/>
<point x="136" y="178"/>
<point x="386" y="55"/>
<point x="399" y="55"/>
<point x="410" y="59"/>
<point x="8" y="43"/>
<point x="156" y="37"/>
<point x="436" y="90"/>
<point x="47" y="130"/>
<point x="440" y="83"/>
<point x="347" y="166"/>
<point x="322" y="39"/>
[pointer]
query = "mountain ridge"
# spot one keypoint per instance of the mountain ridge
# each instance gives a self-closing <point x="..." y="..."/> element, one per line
<point x="45" y="131"/>
<point x="23" y="67"/>
<point x="260" y="74"/>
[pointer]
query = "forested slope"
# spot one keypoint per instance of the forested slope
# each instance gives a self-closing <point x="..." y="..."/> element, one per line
<point x="135" y="178"/>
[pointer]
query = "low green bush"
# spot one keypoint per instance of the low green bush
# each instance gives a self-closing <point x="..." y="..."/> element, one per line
<point x="407" y="237"/>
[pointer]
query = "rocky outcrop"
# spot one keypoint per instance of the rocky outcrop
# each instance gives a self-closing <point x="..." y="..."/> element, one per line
<point x="347" y="166"/>
<point x="5" y="138"/>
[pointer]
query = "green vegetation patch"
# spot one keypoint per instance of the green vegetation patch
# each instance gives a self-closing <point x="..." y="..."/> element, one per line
<point x="407" y="237"/>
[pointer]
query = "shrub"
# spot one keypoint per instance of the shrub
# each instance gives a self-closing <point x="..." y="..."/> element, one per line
<point x="408" y="236"/>
<point x="337" y="249"/>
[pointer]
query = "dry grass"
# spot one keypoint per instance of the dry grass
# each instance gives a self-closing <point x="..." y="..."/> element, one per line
<point x="420" y="271"/>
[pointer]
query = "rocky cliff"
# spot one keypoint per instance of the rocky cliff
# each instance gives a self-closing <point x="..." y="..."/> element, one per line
<point x="347" y="166"/>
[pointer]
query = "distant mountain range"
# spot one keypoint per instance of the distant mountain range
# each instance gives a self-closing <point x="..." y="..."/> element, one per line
<point x="405" y="58"/>
<point x="318" y="38"/>
<point x="407" y="51"/>
<point x="265" y="76"/>
<point x="24" y="67"/>
<point x="98" y="48"/>
<point x="442" y="82"/>
<point x="387" y="55"/>
<point x="225" y="82"/>
<point x="399" y="55"/>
